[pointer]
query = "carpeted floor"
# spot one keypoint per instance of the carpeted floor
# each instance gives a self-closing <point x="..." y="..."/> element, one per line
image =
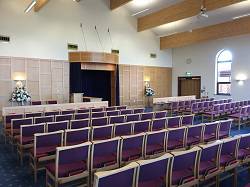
<point x="14" y="175"/>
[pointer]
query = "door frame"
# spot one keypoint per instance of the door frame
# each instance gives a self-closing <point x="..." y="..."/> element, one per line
<point x="188" y="77"/>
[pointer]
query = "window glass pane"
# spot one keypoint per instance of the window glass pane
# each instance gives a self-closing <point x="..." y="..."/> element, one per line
<point x="225" y="56"/>
<point x="224" y="72"/>
<point x="224" y="88"/>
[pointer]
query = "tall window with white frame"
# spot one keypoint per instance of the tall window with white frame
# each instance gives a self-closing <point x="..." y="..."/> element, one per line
<point x="223" y="72"/>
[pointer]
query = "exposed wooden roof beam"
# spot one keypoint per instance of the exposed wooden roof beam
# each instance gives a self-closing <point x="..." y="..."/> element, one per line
<point x="117" y="3"/>
<point x="40" y="4"/>
<point x="223" y="30"/>
<point x="185" y="9"/>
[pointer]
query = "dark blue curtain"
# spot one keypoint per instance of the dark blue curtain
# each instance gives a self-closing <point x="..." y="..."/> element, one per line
<point x="75" y="78"/>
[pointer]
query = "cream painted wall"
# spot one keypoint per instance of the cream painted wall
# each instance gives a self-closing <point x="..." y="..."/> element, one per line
<point x="203" y="57"/>
<point x="45" y="34"/>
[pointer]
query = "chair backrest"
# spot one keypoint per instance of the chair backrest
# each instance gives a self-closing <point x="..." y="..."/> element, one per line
<point x="83" y="110"/>
<point x="66" y="117"/>
<point x="117" y="119"/>
<point x="51" y="113"/>
<point x="105" y="153"/>
<point x="132" y="117"/>
<point x="77" y="136"/>
<point x="184" y="172"/>
<point x="36" y="102"/>
<point x="146" y="177"/>
<point x="113" y="113"/>
<point x="56" y="126"/>
<point x="102" y="132"/>
<point x="16" y="124"/>
<point x="99" y="121"/>
<point x="126" y="111"/>
<point x="194" y="135"/>
<point x="113" y="178"/>
<point x="27" y="132"/>
<point x="124" y="107"/>
<point x="98" y="114"/>
<point x="211" y="131"/>
<point x="69" y="111"/>
<point x="44" y="119"/>
<point x="173" y="122"/>
<point x="111" y="108"/>
<point x="51" y="102"/>
<point x="141" y="126"/>
<point x="97" y="109"/>
<point x="147" y="116"/>
<point x="160" y="114"/>
<point x="8" y="118"/>
<point x="48" y="140"/>
<point x="75" y="158"/>
<point x="158" y="124"/>
<point x="33" y="115"/>
<point x="138" y="110"/>
<point x="78" y="116"/>
<point x="230" y="146"/>
<point x="187" y="120"/>
<point x="176" y="138"/>
<point x="78" y="124"/>
<point x="225" y="128"/>
<point x="243" y="110"/>
<point x="123" y="129"/>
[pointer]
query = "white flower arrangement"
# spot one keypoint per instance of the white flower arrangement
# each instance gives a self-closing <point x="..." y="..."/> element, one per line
<point x="149" y="91"/>
<point x="20" y="95"/>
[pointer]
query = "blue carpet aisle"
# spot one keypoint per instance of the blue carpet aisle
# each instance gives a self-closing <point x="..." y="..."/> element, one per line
<point x="14" y="175"/>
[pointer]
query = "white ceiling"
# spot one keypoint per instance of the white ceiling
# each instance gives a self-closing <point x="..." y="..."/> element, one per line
<point x="217" y="16"/>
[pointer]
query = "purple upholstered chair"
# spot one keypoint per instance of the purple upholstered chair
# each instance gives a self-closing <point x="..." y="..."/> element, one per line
<point x="229" y="157"/>
<point x="237" y="106"/>
<point x="69" y="111"/>
<point x="132" y="148"/>
<point x="102" y="132"/>
<point x="113" y="113"/>
<point x="155" y="143"/>
<point x="200" y="107"/>
<point x="206" y="106"/>
<point x="133" y="117"/>
<point x="194" y="109"/>
<point x="77" y="136"/>
<point x="105" y="154"/>
<point x="45" y="145"/>
<point x="147" y="178"/>
<point x="44" y="119"/>
<point x="138" y="110"/>
<point x="174" y="108"/>
<point x="187" y="105"/>
<point x="123" y="129"/>
<point x="240" y="116"/>
<point x="187" y="120"/>
<point x="26" y="139"/>
<point x="117" y="119"/>
<point x="83" y="110"/>
<point x="228" y="109"/>
<point x="173" y="122"/>
<point x="16" y="125"/>
<point x="222" y="101"/>
<point x="141" y="126"/>
<point x="97" y="109"/>
<point x="216" y="102"/>
<point x="81" y="116"/>
<point x="51" y="102"/>
<point x="98" y="114"/>
<point x="99" y="121"/>
<point x="209" y="160"/>
<point x="51" y="113"/>
<point x="222" y="111"/>
<point x="229" y="100"/>
<point x="183" y="169"/>
<point x="66" y="117"/>
<point x="78" y="124"/>
<point x="194" y="135"/>
<point x="244" y="148"/>
<point x="112" y="108"/>
<point x="36" y="102"/>
<point x="33" y="115"/>
<point x="224" y="128"/>
<point x="181" y="106"/>
<point x="71" y="164"/>
<point x="158" y="124"/>
<point x="176" y="138"/>
<point x="233" y="107"/>
<point x="124" y="107"/>
<point x="242" y="103"/>
<point x="160" y="114"/>
<point x="113" y="178"/>
<point x="127" y="111"/>
<point x="214" y="113"/>
<point x="210" y="132"/>
<point x="56" y="126"/>
<point x="147" y="116"/>
<point x="211" y="99"/>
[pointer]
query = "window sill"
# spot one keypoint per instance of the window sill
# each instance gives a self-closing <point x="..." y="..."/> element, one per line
<point x="223" y="94"/>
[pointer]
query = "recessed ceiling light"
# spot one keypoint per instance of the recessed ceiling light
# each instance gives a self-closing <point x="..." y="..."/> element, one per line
<point x="140" y="12"/>
<point x="140" y="3"/>
<point x="31" y="5"/>
<point x="241" y="16"/>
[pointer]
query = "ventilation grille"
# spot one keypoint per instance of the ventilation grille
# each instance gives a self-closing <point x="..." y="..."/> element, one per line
<point x="4" y="38"/>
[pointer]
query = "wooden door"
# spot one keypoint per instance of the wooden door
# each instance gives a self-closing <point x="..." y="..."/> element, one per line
<point x="189" y="86"/>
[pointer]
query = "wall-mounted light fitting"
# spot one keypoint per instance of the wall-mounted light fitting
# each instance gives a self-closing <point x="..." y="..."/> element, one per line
<point x="241" y="78"/>
<point x="19" y="77"/>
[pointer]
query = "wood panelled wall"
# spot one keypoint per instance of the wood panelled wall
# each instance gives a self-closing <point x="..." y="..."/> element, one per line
<point x="46" y="78"/>
<point x="132" y="83"/>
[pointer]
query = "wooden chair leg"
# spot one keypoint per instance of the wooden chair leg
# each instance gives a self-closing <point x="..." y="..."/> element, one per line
<point x="217" y="180"/>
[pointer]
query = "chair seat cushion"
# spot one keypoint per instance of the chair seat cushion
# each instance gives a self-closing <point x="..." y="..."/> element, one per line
<point x="155" y="148"/>
<point x="131" y="154"/>
<point x="179" y="176"/>
<point x="151" y="183"/>
<point x="75" y="142"/>
<point x="65" y="170"/>
<point x="174" y="144"/>
<point x="44" y="151"/>
<point x="25" y="139"/>
<point x="105" y="160"/>
<point x="207" y="167"/>
<point x="209" y="137"/>
<point x="243" y="153"/>
<point x="226" y="160"/>
<point x="192" y="140"/>
<point x="223" y="134"/>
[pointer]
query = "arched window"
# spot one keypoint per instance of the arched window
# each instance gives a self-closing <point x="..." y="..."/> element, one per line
<point x="223" y="72"/>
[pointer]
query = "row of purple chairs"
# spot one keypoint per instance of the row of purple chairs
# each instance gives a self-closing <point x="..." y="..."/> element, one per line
<point x="49" y="102"/>
<point x="137" y="146"/>
<point x="185" y="168"/>
<point x="209" y="160"/>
